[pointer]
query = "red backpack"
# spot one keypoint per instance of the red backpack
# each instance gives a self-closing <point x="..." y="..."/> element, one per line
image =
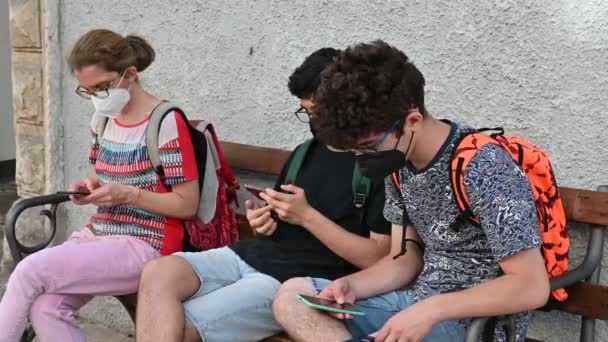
<point x="536" y="165"/>
<point x="215" y="224"/>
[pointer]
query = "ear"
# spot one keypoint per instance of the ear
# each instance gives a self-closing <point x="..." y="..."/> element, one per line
<point x="131" y="73"/>
<point x="413" y="120"/>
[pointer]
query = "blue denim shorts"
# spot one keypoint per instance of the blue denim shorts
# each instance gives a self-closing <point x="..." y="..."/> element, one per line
<point x="234" y="302"/>
<point x="381" y="308"/>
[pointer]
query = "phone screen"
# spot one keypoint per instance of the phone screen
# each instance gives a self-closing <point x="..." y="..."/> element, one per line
<point x="321" y="302"/>
<point x="75" y="193"/>
<point x="255" y="191"/>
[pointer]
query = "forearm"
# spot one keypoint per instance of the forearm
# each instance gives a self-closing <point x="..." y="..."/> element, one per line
<point x="171" y="204"/>
<point x="358" y="250"/>
<point x="504" y="295"/>
<point x="387" y="275"/>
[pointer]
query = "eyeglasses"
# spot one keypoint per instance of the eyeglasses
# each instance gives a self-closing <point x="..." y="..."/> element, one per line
<point x="373" y="148"/>
<point x="99" y="93"/>
<point x="302" y="114"/>
<point x="86" y="94"/>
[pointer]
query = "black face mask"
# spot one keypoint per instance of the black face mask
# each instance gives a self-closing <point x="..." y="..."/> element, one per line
<point x="381" y="164"/>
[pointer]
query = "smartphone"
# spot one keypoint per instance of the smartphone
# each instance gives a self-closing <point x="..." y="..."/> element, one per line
<point x="75" y="193"/>
<point x="328" y="305"/>
<point x="254" y="190"/>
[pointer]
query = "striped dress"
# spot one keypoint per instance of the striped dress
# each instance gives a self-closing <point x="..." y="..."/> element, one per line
<point x="122" y="157"/>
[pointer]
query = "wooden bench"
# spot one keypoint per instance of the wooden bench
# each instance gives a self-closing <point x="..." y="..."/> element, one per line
<point x="588" y="299"/>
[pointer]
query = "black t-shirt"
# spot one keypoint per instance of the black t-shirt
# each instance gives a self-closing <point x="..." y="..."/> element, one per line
<point x="292" y="251"/>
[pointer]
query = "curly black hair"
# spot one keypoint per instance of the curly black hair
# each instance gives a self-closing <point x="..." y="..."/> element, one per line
<point x="306" y="78"/>
<point x="368" y="88"/>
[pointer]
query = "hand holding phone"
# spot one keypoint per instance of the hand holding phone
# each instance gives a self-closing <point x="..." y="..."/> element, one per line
<point x="329" y="305"/>
<point x="260" y="219"/>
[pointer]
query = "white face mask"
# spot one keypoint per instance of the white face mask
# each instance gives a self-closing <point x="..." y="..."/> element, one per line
<point x="116" y="100"/>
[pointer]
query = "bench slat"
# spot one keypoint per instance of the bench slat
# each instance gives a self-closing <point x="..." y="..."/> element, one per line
<point x="254" y="158"/>
<point x="585" y="206"/>
<point x="587" y="300"/>
<point x="245" y="230"/>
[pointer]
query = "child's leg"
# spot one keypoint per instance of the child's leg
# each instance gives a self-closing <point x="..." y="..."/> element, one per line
<point x="54" y="316"/>
<point x="87" y="265"/>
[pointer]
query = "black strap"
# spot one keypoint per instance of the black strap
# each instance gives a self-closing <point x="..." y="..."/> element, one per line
<point x="498" y="130"/>
<point x="404" y="240"/>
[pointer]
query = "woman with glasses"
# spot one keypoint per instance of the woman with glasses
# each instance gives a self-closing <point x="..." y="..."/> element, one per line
<point x="138" y="218"/>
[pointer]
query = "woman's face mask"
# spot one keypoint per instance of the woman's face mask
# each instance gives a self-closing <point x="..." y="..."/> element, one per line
<point x="116" y="99"/>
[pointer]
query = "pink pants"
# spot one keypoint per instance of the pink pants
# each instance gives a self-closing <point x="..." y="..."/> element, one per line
<point x="50" y="286"/>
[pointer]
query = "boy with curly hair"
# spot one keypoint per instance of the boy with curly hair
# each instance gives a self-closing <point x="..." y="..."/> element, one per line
<point x="371" y="102"/>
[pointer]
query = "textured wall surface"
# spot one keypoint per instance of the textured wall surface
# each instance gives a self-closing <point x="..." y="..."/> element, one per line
<point x="538" y="68"/>
<point x="7" y="130"/>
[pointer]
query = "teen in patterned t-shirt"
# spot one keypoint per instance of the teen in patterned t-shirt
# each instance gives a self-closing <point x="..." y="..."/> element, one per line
<point x="445" y="270"/>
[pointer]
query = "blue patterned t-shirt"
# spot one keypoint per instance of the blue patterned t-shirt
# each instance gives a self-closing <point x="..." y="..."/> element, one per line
<point x="462" y="256"/>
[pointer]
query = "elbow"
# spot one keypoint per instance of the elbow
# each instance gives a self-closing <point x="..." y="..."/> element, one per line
<point x="190" y="212"/>
<point x="544" y="293"/>
<point x="189" y="207"/>
<point x="187" y="212"/>
<point x="539" y="291"/>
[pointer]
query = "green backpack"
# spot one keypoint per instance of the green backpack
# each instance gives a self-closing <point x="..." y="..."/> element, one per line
<point x="361" y="184"/>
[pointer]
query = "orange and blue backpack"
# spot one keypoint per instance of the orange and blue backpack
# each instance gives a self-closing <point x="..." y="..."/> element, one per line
<point x="536" y="165"/>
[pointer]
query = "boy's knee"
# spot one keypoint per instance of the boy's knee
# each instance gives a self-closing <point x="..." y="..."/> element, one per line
<point x="285" y="300"/>
<point x="170" y="275"/>
<point x="297" y="285"/>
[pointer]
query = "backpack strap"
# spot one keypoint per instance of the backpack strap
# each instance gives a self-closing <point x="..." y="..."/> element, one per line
<point x="361" y="187"/>
<point x="152" y="131"/>
<point x="464" y="151"/>
<point x="395" y="180"/>
<point x="152" y="142"/>
<point x="229" y="178"/>
<point x="297" y="161"/>
<point x="102" y="122"/>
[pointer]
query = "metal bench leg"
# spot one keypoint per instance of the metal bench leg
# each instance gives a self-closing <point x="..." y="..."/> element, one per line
<point x="588" y="324"/>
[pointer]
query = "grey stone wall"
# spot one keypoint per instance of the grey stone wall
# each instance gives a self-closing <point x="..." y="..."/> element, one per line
<point x="7" y="132"/>
<point x="28" y="99"/>
<point x="538" y="68"/>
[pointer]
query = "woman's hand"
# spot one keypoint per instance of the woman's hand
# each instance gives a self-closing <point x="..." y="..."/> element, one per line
<point x="85" y="185"/>
<point x="110" y="195"/>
